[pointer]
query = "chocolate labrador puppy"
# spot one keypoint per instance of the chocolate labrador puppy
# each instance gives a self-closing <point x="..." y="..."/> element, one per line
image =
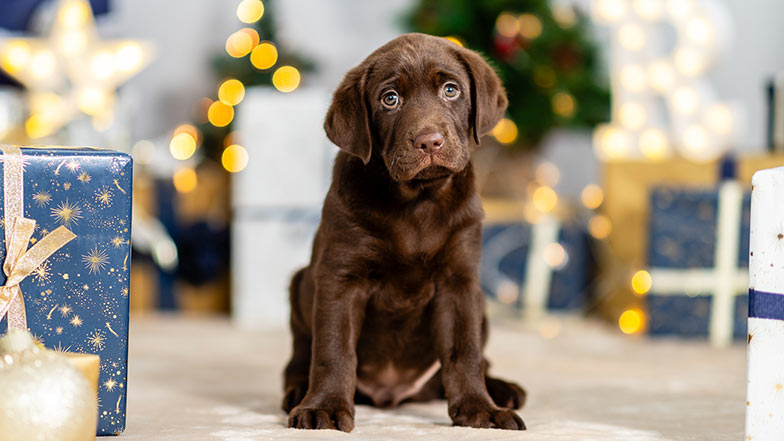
<point x="390" y="308"/>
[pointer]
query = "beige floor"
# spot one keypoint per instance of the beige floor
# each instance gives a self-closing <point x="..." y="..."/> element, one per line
<point x="200" y="379"/>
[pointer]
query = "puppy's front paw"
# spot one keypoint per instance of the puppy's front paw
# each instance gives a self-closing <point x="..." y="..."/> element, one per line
<point x="480" y="414"/>
<point x="335" y="417"/>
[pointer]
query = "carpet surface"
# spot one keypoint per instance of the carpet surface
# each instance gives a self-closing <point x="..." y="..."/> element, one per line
<point x="195" y="379"/>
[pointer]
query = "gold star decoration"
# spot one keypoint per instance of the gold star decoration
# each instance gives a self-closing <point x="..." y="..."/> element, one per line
<point x="97" y="339"/>
<point x="43" y="273"/>
<point x="118" y="241"/>
<point x="71" y="70"/>
<point x="58" y="330"/>
<point x="95" y="260"/>
<point x="104" y="196"/>
<point x="76" y="321"/>
<point x="65" y="310"/>
<point x="110" y="384"/>
<point x="84" y="177"/>
<point x="67" y="213"/>
<point x="42" y="198"/>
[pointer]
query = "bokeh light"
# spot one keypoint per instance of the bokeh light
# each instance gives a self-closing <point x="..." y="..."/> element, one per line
<point x="648" y="9"/>
<point x="600" y="226"/>
<point x="250" y="11"/>
<point x="555" y="255"/>
<point x="564" y="104"/>
<point x="632" y="36"/>
<point x="633" y="78"/>
<point x="264" y="56"/>
<point x="642" y="282"/>
<point x="685" y="100"/>
<point x="182" y="146"/>
<point x="719" y="119"/>
<point x="231" y="92"/>
<point x="128" y="57"/>
<point x="220" y="114"/>
<point x="234" y="158"/>
<point x="530" y="26"/>
<point x="185" y="180"/>
<point x="631" y="321"/>
<point x="253" y="34"/>
<point x="654" y="144"/>
<point x="507" y="25"/>
<point x="239" y="44"/>
<point x="189" y="129"/>
<point x="286" y="79"/>
<point x="548" y="174"/>
<point x="545" y="199"/>
<point x="92" y="100"/>
<point x="505" y="131"/>
<point x="632" y="115"/>
<point x="15" y="56"/>
<point x="592" y="196"/>
<point x="74" y="14"/>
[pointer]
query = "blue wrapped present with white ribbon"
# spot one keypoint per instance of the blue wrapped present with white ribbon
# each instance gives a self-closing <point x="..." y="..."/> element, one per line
<point x="698" y="259"/>
<point x="537" y="267"/>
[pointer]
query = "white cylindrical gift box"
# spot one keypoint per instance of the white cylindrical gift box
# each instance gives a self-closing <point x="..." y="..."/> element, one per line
<point x="765" y="395"/>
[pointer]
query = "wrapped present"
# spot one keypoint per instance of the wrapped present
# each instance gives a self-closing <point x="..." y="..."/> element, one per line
<point x="537" y="267"/>
<point x="765" y="395"/>
<point x="628" y="185"/>
<point x="66" y="222"/>
<point x="698" y="260"/>
<point x="268" y="246"/>
<point x="273" y="229"/>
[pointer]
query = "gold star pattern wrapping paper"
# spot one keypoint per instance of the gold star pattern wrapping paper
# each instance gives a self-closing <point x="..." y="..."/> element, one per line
<point x="77" y="300"/>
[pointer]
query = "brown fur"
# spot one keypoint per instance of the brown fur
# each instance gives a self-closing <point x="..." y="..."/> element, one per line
<point x="392" y="288"/>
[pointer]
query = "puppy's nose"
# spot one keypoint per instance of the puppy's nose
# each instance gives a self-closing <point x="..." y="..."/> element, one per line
<point x="429" y="142"/>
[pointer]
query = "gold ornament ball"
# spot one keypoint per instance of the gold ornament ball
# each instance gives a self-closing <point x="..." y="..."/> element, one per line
<point x="44" y="398"/>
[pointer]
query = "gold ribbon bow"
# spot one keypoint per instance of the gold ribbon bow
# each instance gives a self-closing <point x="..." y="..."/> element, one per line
<point x="20" y="261"/>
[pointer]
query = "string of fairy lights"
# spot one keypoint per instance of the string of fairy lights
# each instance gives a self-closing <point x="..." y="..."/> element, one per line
<point x="220" y="112"/>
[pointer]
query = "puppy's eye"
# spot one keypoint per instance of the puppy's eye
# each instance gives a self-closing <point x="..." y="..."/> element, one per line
<point x="390" y="100"/>
<point x="451" y="91"/>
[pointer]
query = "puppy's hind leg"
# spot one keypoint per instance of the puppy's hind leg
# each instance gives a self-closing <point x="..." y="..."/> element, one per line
<point x="505" y="393"/>
<point x="295" y="377"/>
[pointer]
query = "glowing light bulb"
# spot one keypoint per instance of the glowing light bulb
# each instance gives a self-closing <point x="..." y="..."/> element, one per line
<point x="239" y="44"/>
<point x="42" y="64"/>
<point x="648" y="9"/>
<point x="632" y="37"/>
<point x="102" y="65"/>
<point x="685" y="100"/>
<point x="679" y="9"/>
<point x="653" y="144"/>
<point x="632" y="115"/>
<point x="128" y="57"/>
<point x="92" y="100"/>
<point x="548" y="174"/>
<point x="661" y="76"/>
<point x="689" y="62"/>
<point x="609" y="10"/>
<point x="699" y="30"/>
<point x="719" y="119"/>
<point x="695" y="141"/>
<point x="74" y="14"/>
<point x="612" y="142"/>
<point x="15" y="56"/>
<point x="633" y="78"/>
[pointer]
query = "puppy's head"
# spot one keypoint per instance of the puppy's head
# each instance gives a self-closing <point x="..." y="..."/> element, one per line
<point x="416" y="102"/>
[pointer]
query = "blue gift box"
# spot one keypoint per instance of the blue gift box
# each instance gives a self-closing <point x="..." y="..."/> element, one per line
<point x="683" y="226"/>
<point x="77" y="300"/>
<point x="505" y="254"/>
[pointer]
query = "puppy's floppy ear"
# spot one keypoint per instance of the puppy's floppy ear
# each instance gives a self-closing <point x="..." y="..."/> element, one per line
<point x="348" y="118"/>
<point x="488" y="97"/>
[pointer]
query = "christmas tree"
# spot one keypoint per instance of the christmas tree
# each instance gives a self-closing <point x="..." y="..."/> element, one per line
<point x="252" y="58"/>
<point x="549" y="65"/>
